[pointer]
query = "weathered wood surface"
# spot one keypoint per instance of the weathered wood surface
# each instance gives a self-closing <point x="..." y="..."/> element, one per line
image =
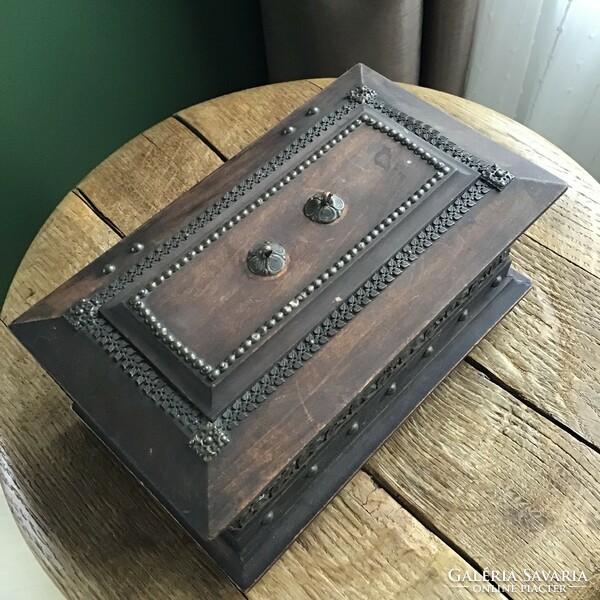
<point x="148" y="173"/>
<point x="71" y="237"/>
<point x="504" y="484"/>
<point x="490" y="476"/>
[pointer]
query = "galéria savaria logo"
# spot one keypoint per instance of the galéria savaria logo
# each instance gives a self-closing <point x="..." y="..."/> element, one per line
<point x="528" y="581"/>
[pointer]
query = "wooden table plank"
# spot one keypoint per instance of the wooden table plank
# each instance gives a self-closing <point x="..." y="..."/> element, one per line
<point x="548" y="348"/>
<point x="509" y="488"/>
<point x="231" y="122"/>
<point x="71" y="238"/>
<point x="148" y="173"/>
<point x="365" y="546"/>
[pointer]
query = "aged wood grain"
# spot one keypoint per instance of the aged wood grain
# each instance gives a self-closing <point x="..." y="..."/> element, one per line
<point x="232" y="122"/>
<point x="572" y="226"/>
<point x="148" y="173"/>
<point x="548" y="347"/>
<point x="509" y="488"/>
<point x="100" y="535"/>
<point x="71" y="237"/>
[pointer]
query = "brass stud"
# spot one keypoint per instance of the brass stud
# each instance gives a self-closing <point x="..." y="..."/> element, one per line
<point x="391" y="390"/>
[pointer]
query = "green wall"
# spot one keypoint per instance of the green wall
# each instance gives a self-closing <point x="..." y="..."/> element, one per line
<point x="78" y="78"/>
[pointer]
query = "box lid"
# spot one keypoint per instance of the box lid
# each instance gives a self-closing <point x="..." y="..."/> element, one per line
<point x="253" y="309"/>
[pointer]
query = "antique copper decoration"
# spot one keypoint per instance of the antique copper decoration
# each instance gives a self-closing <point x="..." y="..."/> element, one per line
<point x="324" y="207"/>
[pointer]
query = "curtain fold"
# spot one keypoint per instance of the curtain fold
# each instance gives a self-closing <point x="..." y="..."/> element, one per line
<point x="324" y="38"/>
<point x="447" y="37"/>
<point x="549" y="76"/>
<point x="413" y="41"/>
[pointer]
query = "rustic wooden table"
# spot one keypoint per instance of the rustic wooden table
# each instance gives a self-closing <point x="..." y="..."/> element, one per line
<point x="498" y="469"/>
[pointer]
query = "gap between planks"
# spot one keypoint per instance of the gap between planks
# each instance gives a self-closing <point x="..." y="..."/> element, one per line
<point x="422" y="518"/>
<point x="521" y="398"/>
<point x="90" y="204"/>
<point x="201" y="136"/>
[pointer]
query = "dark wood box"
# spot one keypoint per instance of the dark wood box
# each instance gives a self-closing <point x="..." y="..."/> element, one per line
<point x="246" y="350"/>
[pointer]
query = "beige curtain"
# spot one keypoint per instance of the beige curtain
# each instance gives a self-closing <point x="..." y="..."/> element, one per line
<point x="414" y="41"/>
<point x="550" y="79"/>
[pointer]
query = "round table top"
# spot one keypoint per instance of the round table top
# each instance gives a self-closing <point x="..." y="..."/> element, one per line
<point x="498" y="469"/>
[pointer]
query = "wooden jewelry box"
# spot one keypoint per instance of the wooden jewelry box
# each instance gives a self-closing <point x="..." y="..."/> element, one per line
<point x="246" y="350"/>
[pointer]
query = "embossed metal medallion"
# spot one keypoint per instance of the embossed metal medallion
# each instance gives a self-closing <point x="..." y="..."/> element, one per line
<point x="324" y="207"/>
<point x="267" y="259"/>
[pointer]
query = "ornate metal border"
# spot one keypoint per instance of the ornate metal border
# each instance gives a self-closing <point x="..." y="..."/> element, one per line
<point x="362" y="95"/>
<point x="191" y="357"/>
<point x="208" y="437"/>
<point x="308" y="454"/>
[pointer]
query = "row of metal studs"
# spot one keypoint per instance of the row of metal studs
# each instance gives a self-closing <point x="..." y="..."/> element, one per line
<point x="151" y="319"/>
<point x="211" y="372"/>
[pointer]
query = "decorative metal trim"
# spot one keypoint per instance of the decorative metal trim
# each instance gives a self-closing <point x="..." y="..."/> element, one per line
<point x="212" y="372"/>
<point x="362" y="94"/>
<point x="324" y="208"/>
<point x="208" y="440"/>
<point x="350" y="307"/>
<point x="304" y="461"/>
<point x="84" y="314"/>
<point x="496" y="176"/>
<point x="267" y="259"/>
